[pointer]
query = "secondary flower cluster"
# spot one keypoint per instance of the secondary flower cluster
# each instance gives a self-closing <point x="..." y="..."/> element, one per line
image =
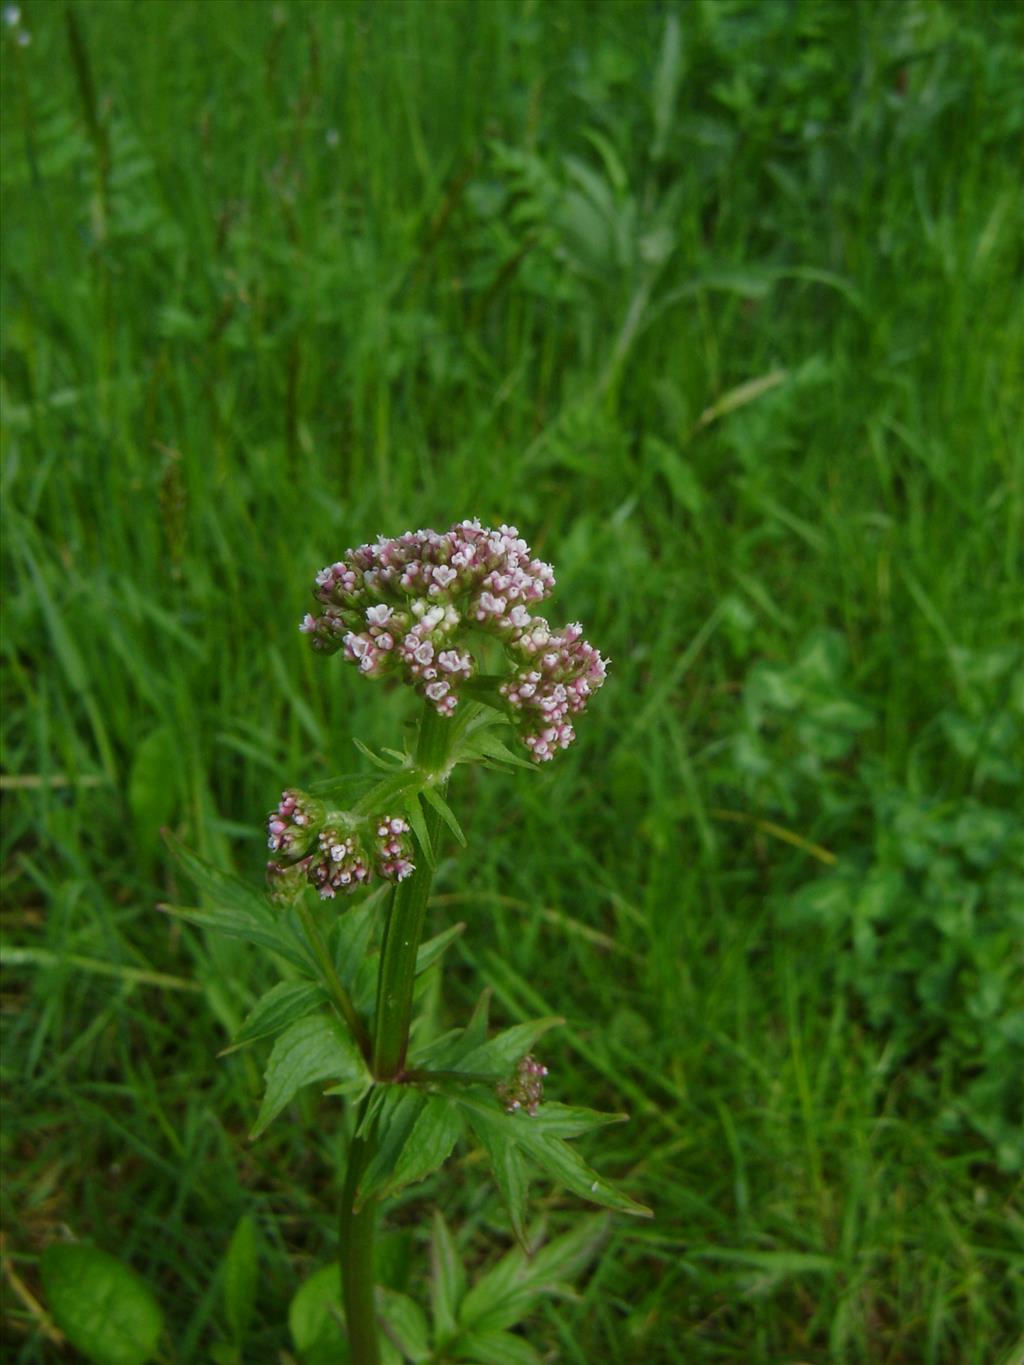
<point x="526" y="1088"/>
<point x="404" y="607"/>
<point x="332" y="851"/>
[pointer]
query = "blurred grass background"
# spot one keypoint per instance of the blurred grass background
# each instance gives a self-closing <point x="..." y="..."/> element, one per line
<point x="720" y="303"/>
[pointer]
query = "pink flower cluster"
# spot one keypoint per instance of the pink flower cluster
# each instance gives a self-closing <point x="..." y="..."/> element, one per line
<point x="292" y="827"/>
<point x="340" y="854"/>
<point x="393" y="849"/>
<point x="338" y="865"/>
<point x="404" y="607"/>
<point x="562" y="674"/>
<point x="526" y="1088"/>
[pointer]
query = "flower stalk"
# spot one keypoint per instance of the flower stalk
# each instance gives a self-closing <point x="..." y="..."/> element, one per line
<point x="406" y="915"/>
<point x="395" y="981"/>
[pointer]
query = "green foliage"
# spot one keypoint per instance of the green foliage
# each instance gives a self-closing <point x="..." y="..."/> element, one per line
<point x="241" y="1278"/>
<point x="720" y="303"/>
<point x="104" y="1309"/>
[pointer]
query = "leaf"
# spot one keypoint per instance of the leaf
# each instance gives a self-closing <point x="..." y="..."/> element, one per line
<point x="484" y="744"/>
<point x="435" y="1132"/>
<point x="314" y="1049"/>
<point x="316" y="1321"/>
<point x="442" y="1053"/>
<point x="558" y="1120"/>
<point x="666" y="83"/>
<point x="282" y="1005"/>
<point x="429" y="952"/>
<point x="221" y="888"/>
<point x="261" y="929"/>
<point x="492" y="1125"/>
<point x="415" y="1136"/>
<point x="509" y="1291"/>
<point x="500" y="1054"/>
<point x="241" y="1269"/>
<point x="404" y="1323"/>
<point x="101" y="1305"/>
<point x="152" y="791"/>
<point x="496" y="1348"/>
<point x="375" y="759"/>
<point x="414" y="811"/>
<point x="434" y="798"/>
<point x="510" y="1175"/>
<point x="447" y="1277"/>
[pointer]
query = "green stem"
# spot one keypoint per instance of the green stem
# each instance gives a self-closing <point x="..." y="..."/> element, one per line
<point x="406" y="914"/>
<point x="337" y="991"/>
<point x="356" y="1255"/>
<point x="395" y="979"/>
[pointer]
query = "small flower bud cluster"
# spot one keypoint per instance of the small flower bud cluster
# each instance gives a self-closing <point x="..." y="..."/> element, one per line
<point x="330" y="850"/>
<point x="292" y="827"/>
<point x="562" y="673"/>
<point x="402" y="607"/>
<point x="338" y="865"/>
<point x="393" y="849"/>
<point x="526" y="1088"/>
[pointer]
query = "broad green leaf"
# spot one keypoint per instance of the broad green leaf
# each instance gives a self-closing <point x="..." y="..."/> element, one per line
<point x="316" y="1319"/>
<point x="549" y="1152"/>
<point x="317" y="1322"/>
<point x="500" y="1054"/>
<point x="434" y="798"/>
<point x="101" y="1305"/>
<point x="509" y="1291"/>
<point x="415" y="1136"/>
<point x="241" y="1271"/>
<point x="282" y="1005"/>
<point x="314" y="1049"/>
<point x="403" y="1323"/>
<point x="495" y="1348"/>
<point x="394" y="1118"/>
<point x="442" y="1053"/>
<point x="447" y="1277"/>
<point x="261" y="928"/>
<point x="437" y="1128"/>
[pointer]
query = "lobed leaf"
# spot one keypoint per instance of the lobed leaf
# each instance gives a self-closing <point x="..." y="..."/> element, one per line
<point x="282" y="1005"/>
<point x="500" y="1054"/>
<point x="313" y="1049"/>
<point x="493" y="1126"/>
<point x="416" y="1134"/>
<point x="509" y="1291"/>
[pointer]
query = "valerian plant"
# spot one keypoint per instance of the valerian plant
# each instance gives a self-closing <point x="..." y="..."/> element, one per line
<point x="452" y="616"/>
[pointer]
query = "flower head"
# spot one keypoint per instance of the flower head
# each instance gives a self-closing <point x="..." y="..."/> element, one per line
<point x="525" y="1089"/>
<point x="333" y="850"/>
<point x="409" y="607"/>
